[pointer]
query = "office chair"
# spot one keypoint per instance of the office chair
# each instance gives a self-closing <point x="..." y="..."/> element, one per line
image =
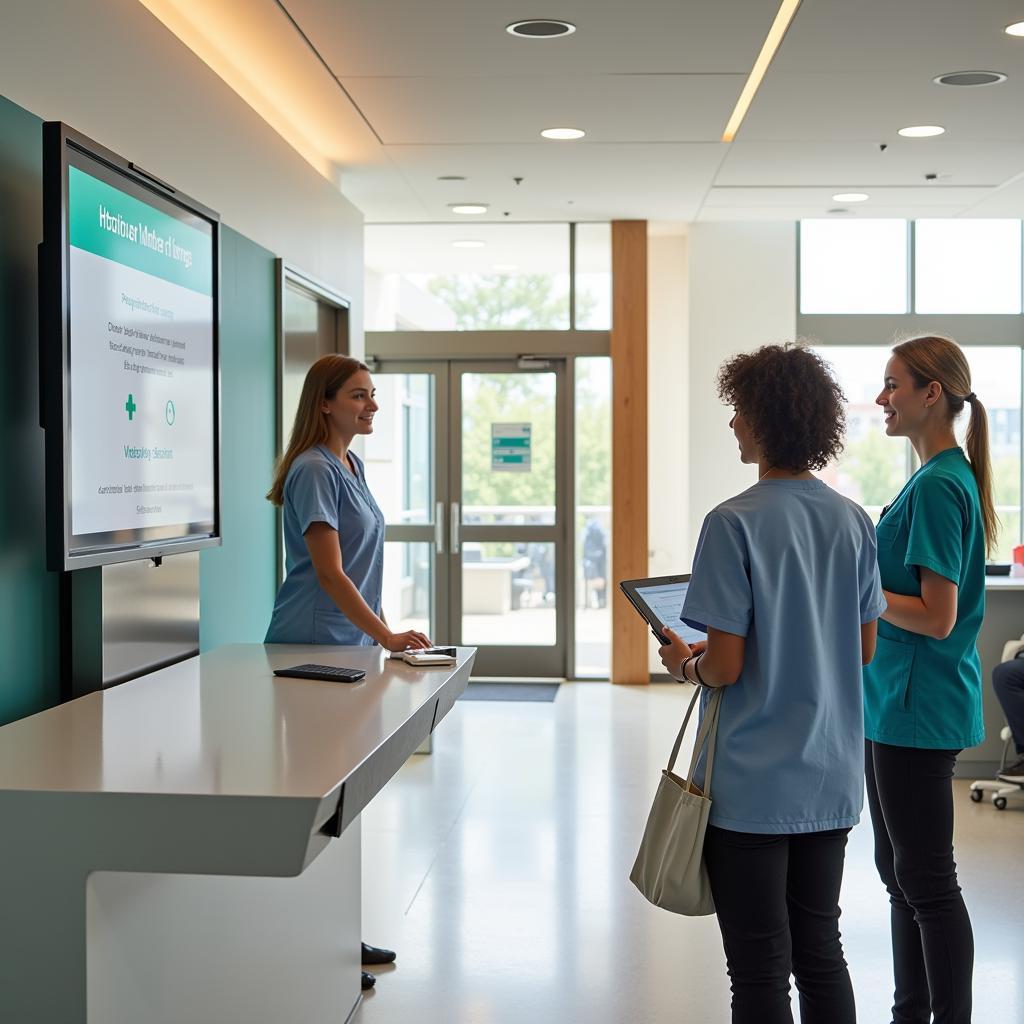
<point x="1002" y="792"/>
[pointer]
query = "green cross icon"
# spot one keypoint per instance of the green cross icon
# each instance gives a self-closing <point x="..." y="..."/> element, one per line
<point x="130" y="407"/>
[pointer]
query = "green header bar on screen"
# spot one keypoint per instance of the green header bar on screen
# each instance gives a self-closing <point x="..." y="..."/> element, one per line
<point x="112" y="224"/>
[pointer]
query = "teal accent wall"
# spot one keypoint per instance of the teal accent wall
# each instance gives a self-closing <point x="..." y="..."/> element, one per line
<point x="29" y="599"/>
<point x="238" y="580"/>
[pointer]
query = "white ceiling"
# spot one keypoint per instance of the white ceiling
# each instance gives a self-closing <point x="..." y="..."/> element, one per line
<point x="444" y="90"/>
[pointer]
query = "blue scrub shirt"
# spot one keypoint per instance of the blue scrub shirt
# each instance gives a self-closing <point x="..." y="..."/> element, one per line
<point x="790" y="565"/>
<point x="319" y="489"/>
<point x="919" y="691"/>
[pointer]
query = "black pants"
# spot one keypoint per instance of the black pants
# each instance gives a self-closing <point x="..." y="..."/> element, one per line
<point x="910" y="794"/>
<point x="777" y="900"/>
<point x="1008" y="682"/>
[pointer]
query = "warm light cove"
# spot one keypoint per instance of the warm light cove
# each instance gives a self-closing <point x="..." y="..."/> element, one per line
<point x="771" y="44"/>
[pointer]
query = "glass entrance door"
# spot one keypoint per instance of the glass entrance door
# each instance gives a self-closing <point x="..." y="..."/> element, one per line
<point x="469" y="461"/>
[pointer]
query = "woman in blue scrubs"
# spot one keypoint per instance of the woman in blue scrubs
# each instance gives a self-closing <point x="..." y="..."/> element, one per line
<point x="333" y="530"/>
<point x="922" y="692"/>
<point x="785" y="582"/>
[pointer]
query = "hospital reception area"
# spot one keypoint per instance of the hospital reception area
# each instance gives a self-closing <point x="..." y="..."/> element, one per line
<point x="512" y="513"/>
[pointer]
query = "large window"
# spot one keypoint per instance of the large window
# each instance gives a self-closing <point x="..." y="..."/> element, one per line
<point x="480" y="277"/>
<point x="959" y="266"/>
<point x="873" y="467"/>
<point x="853" y="266"/>
<point x="877" y="281"/>
<point x="967" y="266"/>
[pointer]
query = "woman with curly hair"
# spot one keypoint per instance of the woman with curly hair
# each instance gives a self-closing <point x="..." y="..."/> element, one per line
<point x="922" y="694"/>
<point x="785" y="583"/>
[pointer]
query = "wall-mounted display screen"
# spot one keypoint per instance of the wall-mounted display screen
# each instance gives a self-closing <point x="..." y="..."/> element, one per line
<point x="129" y="304"/>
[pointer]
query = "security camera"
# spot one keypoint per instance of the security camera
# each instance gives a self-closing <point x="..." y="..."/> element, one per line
<point x="883" y="146"/>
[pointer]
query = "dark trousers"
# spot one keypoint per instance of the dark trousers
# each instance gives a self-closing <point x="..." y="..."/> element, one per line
<point x="1008" y="682"/>
<point x="777" y="900"/>
<point x="910" y="795"/>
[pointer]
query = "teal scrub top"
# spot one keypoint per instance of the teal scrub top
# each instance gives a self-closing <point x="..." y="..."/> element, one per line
<point x="919" y="691"/>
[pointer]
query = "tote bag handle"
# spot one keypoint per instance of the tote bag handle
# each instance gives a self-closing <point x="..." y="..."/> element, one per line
<point x="707" y="733"/>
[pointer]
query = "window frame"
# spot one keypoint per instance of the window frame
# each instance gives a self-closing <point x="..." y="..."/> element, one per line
<point x="989" y="330"/>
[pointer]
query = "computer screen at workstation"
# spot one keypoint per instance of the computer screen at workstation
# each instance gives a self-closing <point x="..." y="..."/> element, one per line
<point x="129" y="300"/>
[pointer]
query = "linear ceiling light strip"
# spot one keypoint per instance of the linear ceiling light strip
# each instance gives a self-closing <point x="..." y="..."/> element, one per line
<point x="771" y="44"/>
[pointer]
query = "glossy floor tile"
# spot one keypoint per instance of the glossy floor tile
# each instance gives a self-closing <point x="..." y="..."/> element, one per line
<point x="497" y="867"/>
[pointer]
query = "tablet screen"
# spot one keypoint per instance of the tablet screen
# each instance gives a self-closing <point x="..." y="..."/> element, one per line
<point x="666" y="601"/>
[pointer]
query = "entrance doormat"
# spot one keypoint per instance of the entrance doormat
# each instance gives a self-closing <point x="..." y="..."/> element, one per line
<point x="511" y="691"/>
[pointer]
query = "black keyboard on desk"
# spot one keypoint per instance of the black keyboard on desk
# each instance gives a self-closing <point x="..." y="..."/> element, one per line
<point x="330" y="673"/>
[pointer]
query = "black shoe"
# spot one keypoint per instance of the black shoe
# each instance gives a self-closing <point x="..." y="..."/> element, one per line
<point x="369" y="980"/>
<point x="373" y="955"/>
<point x="1013" y="772"/>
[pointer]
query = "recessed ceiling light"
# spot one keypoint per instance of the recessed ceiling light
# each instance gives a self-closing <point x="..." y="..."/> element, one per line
<point x="505" y="268"/>
<point x="563" y="133"/>
<point x="1016" y="29"/>
<point x="921" y="131"/>
<point x="837" y="210"/>
<point x="451" y="177"/>
<point x="970" y="78"/>
<point x="540" y="28"/>
<point x="469" y="243"/>
<point x="850" y="197"/>
<point x="468" y="208"/>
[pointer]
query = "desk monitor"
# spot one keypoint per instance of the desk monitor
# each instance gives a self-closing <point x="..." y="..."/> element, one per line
<point x="129" y="370"/>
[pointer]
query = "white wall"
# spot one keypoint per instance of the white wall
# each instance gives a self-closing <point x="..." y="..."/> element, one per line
<point x="114" y="72"/>
<point x="668" y="422"/>
<point x="742" y="295"/>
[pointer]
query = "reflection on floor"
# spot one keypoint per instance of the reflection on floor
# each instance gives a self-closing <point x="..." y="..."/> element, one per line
<point x="497" y="867"/>
<point x="535" y="626"/>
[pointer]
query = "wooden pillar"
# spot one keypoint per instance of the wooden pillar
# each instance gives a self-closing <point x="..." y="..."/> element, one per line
<point x="630" y="636"/>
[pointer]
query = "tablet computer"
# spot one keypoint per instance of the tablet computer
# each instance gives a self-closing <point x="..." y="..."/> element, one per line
<point x="660" y="601"/>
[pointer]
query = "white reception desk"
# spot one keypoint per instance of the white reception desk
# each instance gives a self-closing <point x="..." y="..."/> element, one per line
<point x="185" y="847"/>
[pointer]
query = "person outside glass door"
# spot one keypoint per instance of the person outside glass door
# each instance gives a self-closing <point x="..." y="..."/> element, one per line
<point x="333" y="530"/>
<point x="922" y="691"/>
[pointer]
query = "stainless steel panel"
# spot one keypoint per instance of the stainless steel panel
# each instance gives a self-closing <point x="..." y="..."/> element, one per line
<point x="149" y="616"/>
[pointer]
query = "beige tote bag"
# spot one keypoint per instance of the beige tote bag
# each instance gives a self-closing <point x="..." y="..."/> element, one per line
<point x="669" y="868"/>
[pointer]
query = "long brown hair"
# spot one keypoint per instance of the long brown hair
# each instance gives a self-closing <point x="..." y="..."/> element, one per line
<point x="934" y="358"/>
<point x="323" y="381"/>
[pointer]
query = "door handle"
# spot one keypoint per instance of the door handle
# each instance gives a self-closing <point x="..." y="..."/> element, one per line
<point x="439" y="527"/>
<point x="455" y="525"/>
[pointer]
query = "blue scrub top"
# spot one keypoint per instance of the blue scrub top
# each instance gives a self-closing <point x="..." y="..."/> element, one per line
<point x="919" y="691"/>
<point x="790" y="565"/>
<point x="319" y="489"/>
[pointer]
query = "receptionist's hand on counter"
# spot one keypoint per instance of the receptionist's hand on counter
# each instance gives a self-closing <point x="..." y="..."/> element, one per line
<point x="410" y="640"/>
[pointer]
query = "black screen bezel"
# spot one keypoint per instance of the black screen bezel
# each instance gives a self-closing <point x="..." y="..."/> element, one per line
<point x="62" y="148"/>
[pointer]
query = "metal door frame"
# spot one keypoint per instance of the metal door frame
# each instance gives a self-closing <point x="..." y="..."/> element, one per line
<point x="511" y="659"/>
<point x="413" y="351"/>
<point x="435" y="532"/>
<point x="446" y="531"/>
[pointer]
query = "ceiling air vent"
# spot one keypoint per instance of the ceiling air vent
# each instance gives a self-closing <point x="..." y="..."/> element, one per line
<point x="971" y="78"/>
<point x="540" y="28"/>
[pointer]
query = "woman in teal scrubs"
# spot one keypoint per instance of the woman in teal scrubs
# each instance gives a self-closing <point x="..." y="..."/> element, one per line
<point x="922" y="691"/>
<point x="333" y="530"/>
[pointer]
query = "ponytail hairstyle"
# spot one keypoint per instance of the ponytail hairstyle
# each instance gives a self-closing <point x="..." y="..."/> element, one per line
<point x="323" y="381"/>
<point x="934" y="358"/>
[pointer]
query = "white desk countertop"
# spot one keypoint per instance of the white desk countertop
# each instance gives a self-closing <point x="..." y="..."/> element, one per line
<point x="1004" y="583"/>
<point x="223" y="724"/>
